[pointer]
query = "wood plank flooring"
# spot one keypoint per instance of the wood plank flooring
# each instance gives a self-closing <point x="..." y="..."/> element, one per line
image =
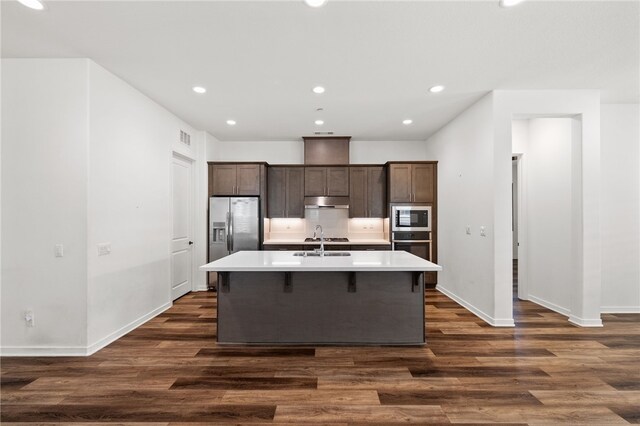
<point x="171" y="371"/>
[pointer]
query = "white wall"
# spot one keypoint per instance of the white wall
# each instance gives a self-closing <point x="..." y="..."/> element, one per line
<point x="379" y="152"/>
<point x="44" y="203"/>
<point x="87" y="160"/>
<point x="546" y="161"/>
<point x="464" y="150"/>
<point x="131" y="140"/>
<point x="620" y="208"/>
<point x="274" y="152"/>
<point x="292" y="152"/>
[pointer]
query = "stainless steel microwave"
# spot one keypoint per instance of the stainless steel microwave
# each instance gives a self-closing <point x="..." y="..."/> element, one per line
<point x="411" y="218"/>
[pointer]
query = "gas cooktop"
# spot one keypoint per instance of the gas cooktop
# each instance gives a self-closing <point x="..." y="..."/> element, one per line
<point x="328" y="240"/>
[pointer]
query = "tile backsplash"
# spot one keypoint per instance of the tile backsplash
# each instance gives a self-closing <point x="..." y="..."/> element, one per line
<point x="334" y="222"/>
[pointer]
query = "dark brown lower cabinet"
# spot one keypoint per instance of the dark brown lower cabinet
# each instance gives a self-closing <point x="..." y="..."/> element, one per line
<point x="420" y="250"/>
<point x="282" y="247"/>
<point x="371" y="247"/>
<point x="331" y="247"/>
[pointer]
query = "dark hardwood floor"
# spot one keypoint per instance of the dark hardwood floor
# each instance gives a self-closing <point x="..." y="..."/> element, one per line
<point x="170" y="370"/>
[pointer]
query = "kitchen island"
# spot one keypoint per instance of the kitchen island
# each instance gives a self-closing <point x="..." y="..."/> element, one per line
<point x="355" y="297"/>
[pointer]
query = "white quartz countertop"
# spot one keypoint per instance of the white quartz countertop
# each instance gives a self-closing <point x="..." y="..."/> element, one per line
<point x="351" y="242"/>
<point x="264" y="261"/>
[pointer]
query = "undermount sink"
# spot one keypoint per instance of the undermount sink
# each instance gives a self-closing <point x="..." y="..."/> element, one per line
<point x="316" y="254"/>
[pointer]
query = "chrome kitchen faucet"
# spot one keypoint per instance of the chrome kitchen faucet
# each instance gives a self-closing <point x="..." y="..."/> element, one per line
<point x="321" y="239"/>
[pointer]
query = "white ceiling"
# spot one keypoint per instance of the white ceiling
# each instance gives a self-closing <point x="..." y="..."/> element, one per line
<point x="377" y="59"/>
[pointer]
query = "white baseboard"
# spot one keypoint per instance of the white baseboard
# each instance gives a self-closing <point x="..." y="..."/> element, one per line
<point x="81" y="350"/>
<point x="620" y="310"/>
<point x="496" y="322"/>
<point x="95" y="347"/>
<point x="549" y="305"/>
<point x="43" y="351"/>
<point x="597" y="322"/>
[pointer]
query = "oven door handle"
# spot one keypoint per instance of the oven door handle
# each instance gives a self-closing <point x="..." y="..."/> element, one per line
<point x="410" y="241"/>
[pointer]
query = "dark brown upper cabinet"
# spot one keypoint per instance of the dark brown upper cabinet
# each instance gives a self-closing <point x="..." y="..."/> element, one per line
<point x="285" y="192"/>
<point x="326" y="181"/>
<point x="235" y="179"/>
<point x="367" y="191"/>
<point x="411" y="182"/>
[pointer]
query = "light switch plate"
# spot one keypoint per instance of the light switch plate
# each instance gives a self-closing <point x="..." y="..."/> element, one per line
<point x="483" y="233"/>
<point x="59" y="250"/>
<point x="468" y="229"/>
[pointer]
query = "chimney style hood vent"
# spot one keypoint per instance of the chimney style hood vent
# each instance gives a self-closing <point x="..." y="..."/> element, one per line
<point x="326" y="150"/>
<point x="326" y="202"/>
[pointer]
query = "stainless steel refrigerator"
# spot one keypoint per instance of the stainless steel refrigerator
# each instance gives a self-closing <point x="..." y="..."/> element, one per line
<point x="233" y="225"/>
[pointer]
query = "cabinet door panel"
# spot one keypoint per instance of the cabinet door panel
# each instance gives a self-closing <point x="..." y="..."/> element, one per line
<point x="224" y="179"/>
<point x="337" y="181"/>
<point x="377" y="192"/>
<point x="418" y="249"/>
<point x="371" y="247"/>
<point x="276" y="192"/>
<point x="358" y="192"/>
<point x="295" y="192"/>
<point x="248" y="179"/>
<point x="281" y="247"/>
<point x="422" y="183"/>
<point x="400" y="183"/>
<point x="315" y="181"/>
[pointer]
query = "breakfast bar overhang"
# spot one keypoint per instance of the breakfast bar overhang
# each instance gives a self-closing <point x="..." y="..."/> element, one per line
<point x="351" y="298"/>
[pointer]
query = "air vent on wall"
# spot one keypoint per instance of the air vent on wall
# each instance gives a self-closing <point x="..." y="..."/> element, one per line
<point x="185" y="138"/>
<point x="322" y="133"/>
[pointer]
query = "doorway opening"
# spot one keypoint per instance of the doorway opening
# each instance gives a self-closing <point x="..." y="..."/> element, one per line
<point x="514" y="222"/>
<point x="547" y="211"/>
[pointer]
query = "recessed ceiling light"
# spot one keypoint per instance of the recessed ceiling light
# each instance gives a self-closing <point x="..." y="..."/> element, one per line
<point x="231" y="122"/>
<point x="436" y="89"/>
<point x="407" y="121"/>
<point x="318" y="89"/>
<point x="319" y="122"/>
<point x="315" y="3"/>
<point x="199" y="89"/>
<point x="33" y="4"/>
<point x="509" y="3"/>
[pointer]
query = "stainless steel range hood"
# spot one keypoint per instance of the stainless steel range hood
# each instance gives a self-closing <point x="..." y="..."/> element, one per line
<point x="326" y="202"/>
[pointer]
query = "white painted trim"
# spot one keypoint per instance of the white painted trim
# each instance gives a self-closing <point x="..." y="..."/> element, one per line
<point x="95" y="347"/>
<point x="559" y="309"/>
<point x="585" y="322"/>
<point x="620" y="310"/>
<point x="43" y="351"/>
<point x="506" y="322"/>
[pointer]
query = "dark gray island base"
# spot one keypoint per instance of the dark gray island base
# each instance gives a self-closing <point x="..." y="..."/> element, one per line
<point x="321" y="307"/>
<point x="339" y="298"/>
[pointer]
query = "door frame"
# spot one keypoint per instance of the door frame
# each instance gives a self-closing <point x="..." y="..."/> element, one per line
<point x="193" y="267"/>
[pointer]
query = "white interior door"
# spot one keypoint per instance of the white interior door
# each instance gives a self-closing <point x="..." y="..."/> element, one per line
<point x="182" y="240"/>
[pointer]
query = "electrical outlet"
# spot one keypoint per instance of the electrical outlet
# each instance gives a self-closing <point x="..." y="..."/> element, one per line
<point x="468" y="230"/>
<point x="104" y="249"/>
<point x="483" y="233"/>
<point x="29" y="318"/>
<point x="59" y="250"/>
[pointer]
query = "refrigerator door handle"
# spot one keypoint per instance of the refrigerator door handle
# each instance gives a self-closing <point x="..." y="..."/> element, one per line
<point x="231" y="230"/>
<point x="228" y="226"/>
